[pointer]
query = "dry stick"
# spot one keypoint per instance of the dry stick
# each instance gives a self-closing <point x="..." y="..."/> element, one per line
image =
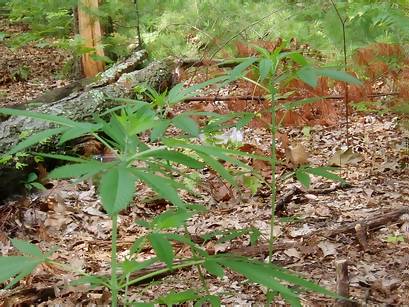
<point x="342" y="283"/>
<point x="361" y="235"/>
<point x="250" y="97"/>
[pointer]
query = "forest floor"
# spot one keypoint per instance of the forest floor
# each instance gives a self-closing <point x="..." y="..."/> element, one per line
<point x="316" y="226"/>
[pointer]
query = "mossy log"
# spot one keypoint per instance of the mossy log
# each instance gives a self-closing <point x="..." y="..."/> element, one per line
<point x="82" y="104"/>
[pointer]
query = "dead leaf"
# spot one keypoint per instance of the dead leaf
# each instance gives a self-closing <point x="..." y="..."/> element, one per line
<point x="292" y="252"/>
<point x="344" y="157"/>
<point x="328" y="248"/>
<point x="297" y="155"/>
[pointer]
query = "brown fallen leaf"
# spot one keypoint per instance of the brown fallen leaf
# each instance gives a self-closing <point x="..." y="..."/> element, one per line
<point x="297" y="155"/>
<point x="343" y="157"/>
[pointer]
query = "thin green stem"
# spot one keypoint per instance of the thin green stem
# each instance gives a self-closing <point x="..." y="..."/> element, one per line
<point x="273" y="184"/>
<point x="199" y="267"/>
<point x="114" y="280"/>
<point x="164" y="270"/>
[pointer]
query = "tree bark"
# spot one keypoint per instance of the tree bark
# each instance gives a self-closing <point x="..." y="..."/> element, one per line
<point x="94" y="98"/>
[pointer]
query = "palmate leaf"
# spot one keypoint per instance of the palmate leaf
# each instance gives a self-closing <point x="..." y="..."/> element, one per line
<point x="178" y="298"/>
<point x="17" y="267"/>
<point x="27" y="248"/>
<point x="338" y="75"/>
<point x="261" y="274"/>
<point x="20" y="266"/>
<point x="117" y="188"/>
<point x="212" y="299"/>
<point x="303" y="178"/>
<point x="238" y="71"/>
<point x="163" y="186"/>
<point x="186" y="124"/>
<point x="324" y="172"/>
<point x="35" y="139"/>
<point x="80" y="130"/>
<point x="61" y="157"/>
<point x="213" y="267"/>
<point x="171" y="219"/>
<point x="87" y="169"/>
<point x="298" y="103"/>
<point x="187" y="241"/>
<point x="130" y="266"/>
<point x="264" y="67"/>
<point x="218" y="167"/>
<point x="162" y="247"/>
<point x="174" y="156"/>
<point x="215" y="151"/>
<point x="308" y="75"/>
<point x="63" y="121"/>
<point x="159" y="130"/>
<point x="179" y="93"/>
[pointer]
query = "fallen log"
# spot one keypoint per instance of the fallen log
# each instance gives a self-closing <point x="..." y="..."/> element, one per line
<point x="81" y="105"/>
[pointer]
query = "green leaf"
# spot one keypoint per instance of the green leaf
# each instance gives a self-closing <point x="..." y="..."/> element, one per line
<point x="252" y="183"/>
<point x="264" y="68"/>
<point x="159" y="129"/>
<point x="238" y="71"/>
<point x="178" y="298"/>
<point x="303" y="178"/>
<point x="136" y="304"/>
<point x="298" y="58"/>
<point x="298" y="103"/>
<point x="19" y="266"/>
<point x="218" y="167"/>
<point x="338" y="75"/>
<point x="130" y="266"/>
<point x="38" y="186"/>
<point x="137" y="245"/>
<point x="323" y="172"/>
<point x="62" y="157"/>
<point x="80" y="130"/>
<point x="35" y="139"/>
<point x="31" y="177"/>
<point x="172" y="218"/>
<point x="186" y="124"/>
<point x="308" y="75"/>
<point x="178" y="93"/>
<point x="45" y="117"/>
<point x="187" y="241"/>
<point x="213" y="267"/>
<point x="94" y="281"/>
<point x="212" y="299"/>
<point x="163" y="186"/>
<point x="117" y="188"/>
<point x="163" y="248"/>
<point x="87" y="169"/>
<point x="27" y="248"/>
<point x="175" y="157"/>
<point x="261" y="274"/>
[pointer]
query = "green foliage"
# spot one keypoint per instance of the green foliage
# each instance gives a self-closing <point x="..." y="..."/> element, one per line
<point x="138" y="160"/>
<point x="32" y="182"/>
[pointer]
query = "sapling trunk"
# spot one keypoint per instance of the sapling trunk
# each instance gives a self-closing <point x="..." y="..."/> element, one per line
<point x="114" y="280"/>
<point x="273" y="185"/>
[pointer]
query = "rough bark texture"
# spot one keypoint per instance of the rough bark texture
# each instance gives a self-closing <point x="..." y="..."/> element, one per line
<point x="117" y="82"/>
<point x="84" y="105"/>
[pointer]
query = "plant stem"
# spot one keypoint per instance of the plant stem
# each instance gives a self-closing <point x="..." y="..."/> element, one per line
<point x="344" y="40"/>
<point x="188" y="263"/>
<point x="273" y="185"/>
<point x="114" y="280"/>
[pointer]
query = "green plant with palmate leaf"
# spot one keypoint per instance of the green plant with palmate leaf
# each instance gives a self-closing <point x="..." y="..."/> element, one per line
<point x="154" y="164"/>
<point x="266" y="66"/>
